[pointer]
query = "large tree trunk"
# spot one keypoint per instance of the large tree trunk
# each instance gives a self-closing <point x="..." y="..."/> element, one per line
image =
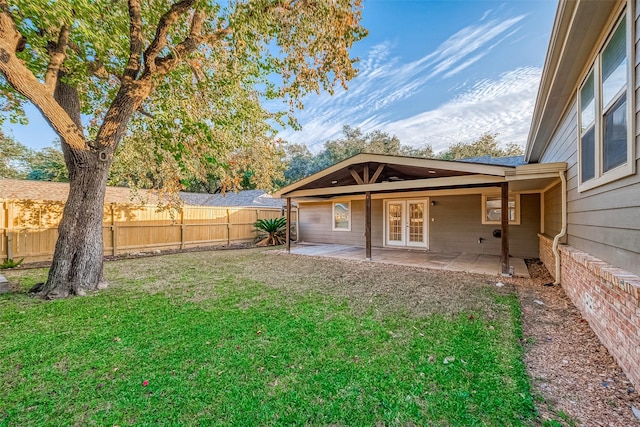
<point x="77" y="261"/>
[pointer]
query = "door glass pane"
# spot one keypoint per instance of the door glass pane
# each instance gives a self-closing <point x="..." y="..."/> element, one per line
<point x="395" y="222"/>
<point x="588" y="155"/>
<point x="587" y="104"/>
<point x="416" y="222"/>
<point x="615" y="135"/>
<point x="614" y="65"/>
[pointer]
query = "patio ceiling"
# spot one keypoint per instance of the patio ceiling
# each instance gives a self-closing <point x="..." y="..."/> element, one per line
<point x="377" y="173"/>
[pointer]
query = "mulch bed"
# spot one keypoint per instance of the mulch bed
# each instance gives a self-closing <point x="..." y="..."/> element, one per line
<point x="573" y="374"/>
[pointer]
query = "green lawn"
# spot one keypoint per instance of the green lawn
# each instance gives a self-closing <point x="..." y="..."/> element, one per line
<point x="254" y="337"/>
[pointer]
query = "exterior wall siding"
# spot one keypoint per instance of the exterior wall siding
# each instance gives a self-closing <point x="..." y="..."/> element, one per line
<point x="603" y="221"/>
<point x="553" y="211"/>
<point x="316" y="224"/>
<point x="455" y="225"/>
<point x="600" y="261"/>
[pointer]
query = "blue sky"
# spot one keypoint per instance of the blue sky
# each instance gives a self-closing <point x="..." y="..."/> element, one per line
<point x="431" y="72"/>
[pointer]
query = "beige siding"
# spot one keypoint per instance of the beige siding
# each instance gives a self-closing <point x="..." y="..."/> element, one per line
<point x="604" y="221"/>
<point x="316" y="224"/>
<point x="456" y="226"/>
<point x="553" y="211"/>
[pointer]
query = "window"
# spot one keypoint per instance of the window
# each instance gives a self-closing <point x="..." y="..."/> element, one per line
<point x="605" y="143"/>
<point x="342" y="216"/>
<point x="492" y="209"/>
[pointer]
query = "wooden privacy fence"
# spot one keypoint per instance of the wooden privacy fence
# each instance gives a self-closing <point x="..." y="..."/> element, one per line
<point x="29" y="229"/>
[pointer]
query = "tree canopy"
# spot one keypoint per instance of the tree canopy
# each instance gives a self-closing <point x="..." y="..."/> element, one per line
<point x="486" y="145"/>
<point x="301" y="162"/>
<point x="178" y="87"/>
<point x="13" y="158"/>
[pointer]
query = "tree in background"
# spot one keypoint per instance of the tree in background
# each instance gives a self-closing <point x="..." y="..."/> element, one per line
<point x="47" y="165"/>
<point x="13" y="158"/>
<point x="178" y="81"/>
<point x="300" y="162"/>
<point x="486" y="145"/>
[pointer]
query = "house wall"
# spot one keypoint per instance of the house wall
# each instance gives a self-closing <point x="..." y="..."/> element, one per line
<point x="603" y="221"/>
<point x="600" y="261"/>
<point x="455" y="225"/>
<point x="316" y="224"/>
<point x="553" y="210"/>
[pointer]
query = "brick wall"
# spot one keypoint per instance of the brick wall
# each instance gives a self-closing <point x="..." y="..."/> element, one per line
<point x="546" y="253"/>
<point x="608" y="298"/>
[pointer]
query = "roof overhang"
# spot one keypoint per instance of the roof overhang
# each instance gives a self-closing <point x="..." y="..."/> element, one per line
<point x="576" y="30"/>
<point x="356" y="177"/>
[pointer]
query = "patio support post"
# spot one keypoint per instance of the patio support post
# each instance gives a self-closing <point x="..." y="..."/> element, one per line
<point x="367" y="224"/>
<point x="504" y="224"/>
<point x="288" y="234"/>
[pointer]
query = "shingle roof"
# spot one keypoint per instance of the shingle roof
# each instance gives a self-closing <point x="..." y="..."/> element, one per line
<point x="498" y="161"/>
<point x="58" y="191"/>
<point x="241" y="198"/>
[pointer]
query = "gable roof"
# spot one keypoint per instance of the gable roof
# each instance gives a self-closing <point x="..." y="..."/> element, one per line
<point x="576" y="30"/>
<point x="58" y="191"/>
<point x="371" y="172"/>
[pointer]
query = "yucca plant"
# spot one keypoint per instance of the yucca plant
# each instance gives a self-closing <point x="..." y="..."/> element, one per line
<point x="275" y="228"/>
<point x="10" y="263"/>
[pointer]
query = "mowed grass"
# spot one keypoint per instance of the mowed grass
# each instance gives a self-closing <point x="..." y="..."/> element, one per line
<point x="200" y="339"/>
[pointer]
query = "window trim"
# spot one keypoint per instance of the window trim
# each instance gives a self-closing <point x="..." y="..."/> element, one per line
<point x="483" y="213"/>
<point x="333" y="216"/>
<point x="629" y="167"/>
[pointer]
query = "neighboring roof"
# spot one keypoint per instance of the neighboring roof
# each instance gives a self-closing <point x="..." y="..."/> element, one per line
<point x="500" y="161"/>
<point x="576" y="30"/>
<point x="58" y="191"/>
<point x="53" y="191"/>
<point x="242" y="198"/>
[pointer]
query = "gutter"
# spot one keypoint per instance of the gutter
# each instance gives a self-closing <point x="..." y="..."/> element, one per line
<point x="563" y="230"/>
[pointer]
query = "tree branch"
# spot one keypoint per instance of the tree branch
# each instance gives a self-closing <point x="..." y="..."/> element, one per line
<point x="135" y="40"/>
<point x="166" y="64"/>
<point x="23" y="81"/>
<point x="160" y="40"/>
<point x="57" y="55"/>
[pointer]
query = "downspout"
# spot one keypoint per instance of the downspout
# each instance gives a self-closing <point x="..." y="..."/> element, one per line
<point x="563" y="230"/>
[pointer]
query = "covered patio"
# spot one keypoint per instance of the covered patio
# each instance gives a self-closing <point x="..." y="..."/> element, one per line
<point x="452" y="261"/>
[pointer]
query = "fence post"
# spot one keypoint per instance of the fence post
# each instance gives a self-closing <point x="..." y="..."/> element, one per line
<point x="114" y="232"/>
<point x="10" y="232"/>
<point x="182" y="229"/>
<point x="228" y="228"/>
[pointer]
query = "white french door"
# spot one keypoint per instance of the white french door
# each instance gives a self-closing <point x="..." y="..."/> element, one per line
<point x="406" y="223"/>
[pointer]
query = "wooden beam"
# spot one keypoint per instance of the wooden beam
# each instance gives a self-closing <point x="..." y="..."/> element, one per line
<point x="377" y="173"/>
<point x="355" y="176"/>
<point x="367" y="225"/>
<point x="365" y="174"/>
<point x="450" y="181"/>
<point x="504" y="225"/>
<point x="288" y="234"/>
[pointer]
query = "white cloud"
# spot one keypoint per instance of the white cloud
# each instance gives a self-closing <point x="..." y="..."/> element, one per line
<point x="374" y="98"/>
<point x="503" y="105"/>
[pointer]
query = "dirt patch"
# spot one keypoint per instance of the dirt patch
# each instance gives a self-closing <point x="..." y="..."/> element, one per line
<point x="574" y="375"/>
<point x="372" y="286"/>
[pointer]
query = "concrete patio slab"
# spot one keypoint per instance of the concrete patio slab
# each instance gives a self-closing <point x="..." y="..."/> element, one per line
<point x="471" y="263"/>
